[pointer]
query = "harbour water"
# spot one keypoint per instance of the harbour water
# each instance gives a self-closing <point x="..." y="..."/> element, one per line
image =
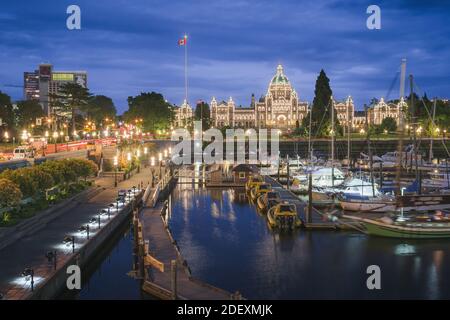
<point x="227" y="243"/>
<point x="107" y="276"/>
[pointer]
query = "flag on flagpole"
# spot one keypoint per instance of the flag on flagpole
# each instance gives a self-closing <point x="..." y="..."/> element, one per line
<point x="183" y="41"/>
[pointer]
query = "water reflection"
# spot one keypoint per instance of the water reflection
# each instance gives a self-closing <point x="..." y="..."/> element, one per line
<point x="228" y="244"/>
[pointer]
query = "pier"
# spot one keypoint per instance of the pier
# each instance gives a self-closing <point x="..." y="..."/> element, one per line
<point x="160" y="265"/>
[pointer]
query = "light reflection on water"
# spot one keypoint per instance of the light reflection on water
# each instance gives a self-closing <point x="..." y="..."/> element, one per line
<point x="228" y="244"/>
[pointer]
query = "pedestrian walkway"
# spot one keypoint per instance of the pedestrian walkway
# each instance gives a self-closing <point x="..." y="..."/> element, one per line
<point x="29" y="252"/>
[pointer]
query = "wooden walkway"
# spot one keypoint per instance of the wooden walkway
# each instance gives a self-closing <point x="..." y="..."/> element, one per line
<point x="162" y="249"/>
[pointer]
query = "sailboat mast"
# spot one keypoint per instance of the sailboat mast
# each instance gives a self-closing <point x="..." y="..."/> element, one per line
<point x="348" y="131"/>
<point x="370" y="150"/>
<point x="332" y="141"/>
<point x="414" y="119"/>
<point x="309" y="138"/>
<point x="432" y="131"/>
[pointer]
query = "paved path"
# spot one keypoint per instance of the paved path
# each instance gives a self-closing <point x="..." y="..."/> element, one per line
<point x="30" y="251"/>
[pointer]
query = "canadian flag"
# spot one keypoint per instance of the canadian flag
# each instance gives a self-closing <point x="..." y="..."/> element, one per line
<point x="182" y="42"/>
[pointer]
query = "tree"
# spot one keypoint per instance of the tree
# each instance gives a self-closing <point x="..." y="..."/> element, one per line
<point x="72" y="97"/>
<point x="156" y="112"/>
<point x="27" y="112"/>
<point x="6" y="112"/>
<point x="99" y="108"/>
<point x="10" y="194"/>
<point x="389" y="124"/>
<point x="202" y="113"/>
<point x="42" y="178"/>
<point x="321" y="116"/>
<point x="21" y="177"/>
<point x="81" y="167"/>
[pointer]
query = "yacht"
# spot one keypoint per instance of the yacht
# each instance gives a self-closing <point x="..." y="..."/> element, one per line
<point x="321" y="177"/>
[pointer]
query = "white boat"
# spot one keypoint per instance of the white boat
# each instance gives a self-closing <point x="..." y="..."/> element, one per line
<point x="321" y="177"/>
<point x="438" y="179"/>
<point x="407" y="157"/>
<point x="372" y="204"/>
<point x="354" y="187"/>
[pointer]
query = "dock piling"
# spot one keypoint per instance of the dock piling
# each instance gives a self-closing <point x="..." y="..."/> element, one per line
<point x="173" y="270"/>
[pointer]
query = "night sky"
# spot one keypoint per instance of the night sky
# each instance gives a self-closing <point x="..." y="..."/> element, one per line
<point x="234" y="46"/>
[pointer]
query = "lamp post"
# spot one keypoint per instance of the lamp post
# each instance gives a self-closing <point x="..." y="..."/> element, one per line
<point x="29" y="272"/>
<point x="152" y="167"/>
<point x="55" y="137"/>
<point x="138" y="156"/>
<point x="146" y="155"/>
<point x="160" y="158"/>
<point x="116" y="163"/>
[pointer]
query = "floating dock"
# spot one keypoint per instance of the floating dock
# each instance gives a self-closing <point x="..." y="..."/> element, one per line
<point x="164" y="272"/>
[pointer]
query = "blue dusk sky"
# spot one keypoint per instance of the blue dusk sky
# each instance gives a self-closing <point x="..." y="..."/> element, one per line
<point x="128" y="47"/>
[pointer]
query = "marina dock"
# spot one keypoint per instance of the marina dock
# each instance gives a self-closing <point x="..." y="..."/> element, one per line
<point x="164" y="271"/>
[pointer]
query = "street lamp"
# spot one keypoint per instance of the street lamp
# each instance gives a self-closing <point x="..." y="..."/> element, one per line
<point x="138" y="155"/>
<point x="29" y="272"/>
<point x="55" y="136"/>
<point x="24" y="135"/>
<point x="116" y="163"/>
<point x="68" y="240"/>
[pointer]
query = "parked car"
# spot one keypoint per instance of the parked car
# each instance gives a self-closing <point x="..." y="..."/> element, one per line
<point x="23" y="152"/>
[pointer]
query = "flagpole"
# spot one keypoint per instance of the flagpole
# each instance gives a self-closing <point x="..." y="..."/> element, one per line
<point x="185" y="70"/>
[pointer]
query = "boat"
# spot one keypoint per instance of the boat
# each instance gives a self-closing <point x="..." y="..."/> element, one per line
<point x="355" y="187"/>
<point x="253" y="181"/>
<point x="365" y="203"/>
<point x="259" y="189"/>
<point x="386" y="203"/>
<point x="387" y="227"/>
<point x="283" y="216"/>
<point x="268" y="200"/>
<point x="438" y="179"/>
<point x="407" y="157"/>
<point x="321" y="177"/>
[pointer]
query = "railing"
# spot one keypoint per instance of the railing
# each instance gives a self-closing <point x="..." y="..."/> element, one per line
<point x="151" y="194"/>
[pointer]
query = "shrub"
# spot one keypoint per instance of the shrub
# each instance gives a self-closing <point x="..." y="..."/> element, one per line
<point x="42" y="178"/>
<point x="22" y="178"/>
<point x="10" y="193"/>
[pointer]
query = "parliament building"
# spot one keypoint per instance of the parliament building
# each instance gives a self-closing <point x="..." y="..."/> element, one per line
<point x="280" y="108"/>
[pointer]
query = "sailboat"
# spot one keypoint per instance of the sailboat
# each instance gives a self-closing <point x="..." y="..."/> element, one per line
<point x="419" y="225"/>
<point x="322" y="176"/>
<point x="409" y="229"/>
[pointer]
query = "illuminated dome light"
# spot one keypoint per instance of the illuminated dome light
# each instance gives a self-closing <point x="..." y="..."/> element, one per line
<point x="280" y="77"/>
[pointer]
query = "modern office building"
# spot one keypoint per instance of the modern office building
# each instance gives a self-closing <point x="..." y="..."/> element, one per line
<point x="44" y="81"/>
